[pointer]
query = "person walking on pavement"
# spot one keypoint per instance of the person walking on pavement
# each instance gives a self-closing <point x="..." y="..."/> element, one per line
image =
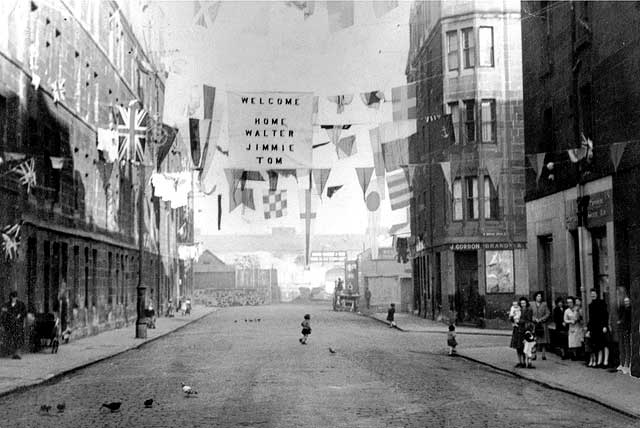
<point x="367" y="297"/>
<point x="12" y="317"/>
<point x="598" y="327"/>
<point x="540" y="316"/>
<point x="624" y="327"/>
<point x="524" y="323"/>
<point x="573" y="322"/>
<point x="306" y="329"/>
<point x="391" y="315"/>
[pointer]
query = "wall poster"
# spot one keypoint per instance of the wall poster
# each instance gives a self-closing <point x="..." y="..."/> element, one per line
<point x="499" y="271"/>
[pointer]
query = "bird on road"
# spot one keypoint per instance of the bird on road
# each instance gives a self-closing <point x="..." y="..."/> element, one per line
<point x="45" y="408"/>
<point x="258" y="319"/>
<point x="190" y="392"/>
<point x="61" y="407"/>
<point x="245" y="320"/>
<point x="186" y="388"/>
<point x="148" y="403"/>
<point x="113" y="406"/>
<point x="235" y="321"/>
<point x="332" y="350"/>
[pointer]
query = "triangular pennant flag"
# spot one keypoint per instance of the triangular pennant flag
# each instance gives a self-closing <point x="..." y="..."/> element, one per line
<point x="205" y="13"/>
<point x="320" y="177"/>
<point x="364" y="177"/>
<point x="252" y="176"/>
<point x="372" y="99"/>
<point x="617" y="149"/>
<point x="446" y="171"/>
<point x="331" y="190"/>
<point x="346" y="147"/>
<point x="287" y="173"/>
<point x="340" y="14"/>
<point x="341" y="101"/>
<point x="334" y="131"/>
<point x="412" y="173"/>
<point x="381" y="7"/>
<point x="247" y="199"/>
<point x="56" y="162"/>
<point x="494" y="168"/>
<point x="539" y="159"/>
<point x="166" y="142"/>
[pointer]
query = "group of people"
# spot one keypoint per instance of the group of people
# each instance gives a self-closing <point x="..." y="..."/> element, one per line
<point x="576" y="340"/>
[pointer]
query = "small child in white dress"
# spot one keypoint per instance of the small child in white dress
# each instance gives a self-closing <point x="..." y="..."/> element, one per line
<point x="529" y="348"/>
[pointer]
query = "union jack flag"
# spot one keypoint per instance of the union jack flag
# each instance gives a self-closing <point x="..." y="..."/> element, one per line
<point x="125" y="123"/>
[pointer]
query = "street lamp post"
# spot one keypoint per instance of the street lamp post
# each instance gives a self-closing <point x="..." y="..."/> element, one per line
<point x="141" y="290"/>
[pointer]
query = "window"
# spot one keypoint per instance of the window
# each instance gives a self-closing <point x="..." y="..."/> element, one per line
<point x="490" y="199"/>
<point x="472" y="197"/>
<point x="454" y="109"/>
<point x="457" y="199"/>
<point x="468" y="48"/>
<point x="469" y="121"/>
<point x="452" y="50"/>
<point x="488" y="119"/>
<point x="485" y="53"/>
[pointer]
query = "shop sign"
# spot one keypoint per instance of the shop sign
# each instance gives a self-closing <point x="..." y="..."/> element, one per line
<point x="471" y="246"/>
<point x="386" y="254"/>
<point x="599" y="211"/>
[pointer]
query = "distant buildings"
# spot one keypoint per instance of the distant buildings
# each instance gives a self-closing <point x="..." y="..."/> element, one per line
<point x="64" y="67"/>
<point x="468" y="213"/>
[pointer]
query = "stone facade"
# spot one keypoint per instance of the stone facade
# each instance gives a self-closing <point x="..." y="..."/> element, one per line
<point x="79" y="235"/>
<point x="465" y="58"/>
<point x="579" y="79"/>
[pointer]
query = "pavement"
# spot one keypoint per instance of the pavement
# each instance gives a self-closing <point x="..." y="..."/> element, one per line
<point x="609" y="388"/>
<point x="257" y="374"/>
<point x="36" y="368"/>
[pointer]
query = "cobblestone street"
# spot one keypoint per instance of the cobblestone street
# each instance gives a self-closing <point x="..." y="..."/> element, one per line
<point x="256" y="374"/>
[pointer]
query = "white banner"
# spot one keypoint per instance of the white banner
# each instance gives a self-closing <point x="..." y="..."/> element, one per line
<point x="270" y="130"/>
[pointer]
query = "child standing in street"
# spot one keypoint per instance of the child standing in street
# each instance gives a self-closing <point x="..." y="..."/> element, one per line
<point x="391" y="315"/>
<point x="529" y="348"/>
<point x="451" y="340"/>
<point x="306" y="329"/>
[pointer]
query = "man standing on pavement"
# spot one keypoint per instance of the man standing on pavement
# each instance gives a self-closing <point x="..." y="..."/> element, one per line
<point x="367" y="297"/>
<point x="12" y="317"/>
<point x="391" y="315"/>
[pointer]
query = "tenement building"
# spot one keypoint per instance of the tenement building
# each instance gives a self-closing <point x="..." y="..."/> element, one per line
<point x="69" y="71"/>
<point x="581" y="98"/>
<point x="467" y="160"/>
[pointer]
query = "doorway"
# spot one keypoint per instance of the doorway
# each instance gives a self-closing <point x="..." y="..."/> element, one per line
<point x="600" y="254"/>
<point x="546" y="256"/>
<point x="467" y="299"/>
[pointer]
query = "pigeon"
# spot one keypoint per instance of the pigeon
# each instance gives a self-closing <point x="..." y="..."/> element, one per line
<point x="235" y="321"/>
<point x="258" y="319"/>
<point x="190" y="393"/>
<point x="186" y="388"/>
<point x="45" y="408"/>
<point x="61" y="407"/>
<point x="332" y="350"/>
<point x="113" y="406"/>
<point x="148" y="403"/>
<point x="245" y="320"/>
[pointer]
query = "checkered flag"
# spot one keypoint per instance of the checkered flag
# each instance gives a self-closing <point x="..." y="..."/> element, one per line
<point x="275" y="204"/>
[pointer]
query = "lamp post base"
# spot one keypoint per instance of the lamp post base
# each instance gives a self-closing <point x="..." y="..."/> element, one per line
<point x="141" y="329"/>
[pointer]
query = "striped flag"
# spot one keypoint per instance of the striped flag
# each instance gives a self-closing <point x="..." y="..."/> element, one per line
<point x="399" y="192"/>
<point x="403" y="99"/>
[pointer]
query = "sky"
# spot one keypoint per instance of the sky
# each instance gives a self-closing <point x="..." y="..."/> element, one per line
<point x="268" y="46"/>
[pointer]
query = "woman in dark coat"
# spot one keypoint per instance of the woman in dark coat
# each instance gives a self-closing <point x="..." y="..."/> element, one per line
<point x="524" y="323"/>
<point x="13" y="316"/>
<point x="598" y="327"/>
<point x="541" y="315"/>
